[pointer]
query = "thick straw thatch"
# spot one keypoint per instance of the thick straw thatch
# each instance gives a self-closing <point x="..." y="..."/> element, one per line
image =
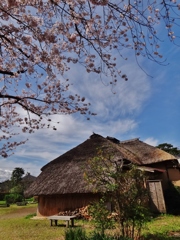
<point x="64" y="175"/>
<point x="146" y="153"/>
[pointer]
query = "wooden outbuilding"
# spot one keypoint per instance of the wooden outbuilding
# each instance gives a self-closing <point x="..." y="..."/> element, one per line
<point x="61" y="185"/>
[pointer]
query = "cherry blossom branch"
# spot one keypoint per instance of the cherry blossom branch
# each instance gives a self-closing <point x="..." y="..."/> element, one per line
<point x="40" y="40"/>
<point x="19" y="49"/>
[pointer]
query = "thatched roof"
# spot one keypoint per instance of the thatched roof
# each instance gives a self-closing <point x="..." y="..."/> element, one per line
<point x="28" y="178"/>
<point x="65" y="173"/>
<point x="145" y="153"/>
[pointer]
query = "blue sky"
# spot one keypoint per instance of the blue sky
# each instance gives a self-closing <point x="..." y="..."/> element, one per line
<point x="147" y="107"/>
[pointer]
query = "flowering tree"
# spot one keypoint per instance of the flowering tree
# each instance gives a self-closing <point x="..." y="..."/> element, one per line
<point x="41" y="39"/>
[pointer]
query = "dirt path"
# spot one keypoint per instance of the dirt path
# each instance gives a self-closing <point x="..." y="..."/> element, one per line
<point x="21" y="212"/>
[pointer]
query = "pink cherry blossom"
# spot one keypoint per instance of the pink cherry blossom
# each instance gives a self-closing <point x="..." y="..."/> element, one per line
<point x="40" y="40"/>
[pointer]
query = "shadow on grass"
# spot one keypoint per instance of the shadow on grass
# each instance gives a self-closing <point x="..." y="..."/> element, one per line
<point x="63" y="225"/>
<point x="170" y="236"/>
<point x="172" y="199"/>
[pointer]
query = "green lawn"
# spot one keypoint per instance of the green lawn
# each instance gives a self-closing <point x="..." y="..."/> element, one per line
<point x="165" y="227"/>
<point x="20" y="229"/>
<point x="15" y="224"/>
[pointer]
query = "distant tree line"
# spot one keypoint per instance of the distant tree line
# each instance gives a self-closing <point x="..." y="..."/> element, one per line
<point x="167" y="147"/>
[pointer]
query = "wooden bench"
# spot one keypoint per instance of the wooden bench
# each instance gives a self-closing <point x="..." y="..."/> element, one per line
<point x="55" y="219"/>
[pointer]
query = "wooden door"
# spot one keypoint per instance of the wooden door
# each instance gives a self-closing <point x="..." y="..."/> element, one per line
<point x="157" y="196"/>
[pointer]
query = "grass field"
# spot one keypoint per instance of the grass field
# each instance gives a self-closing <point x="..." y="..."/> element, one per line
<point x="16" y="224"/>
<point x="164" y="227"/>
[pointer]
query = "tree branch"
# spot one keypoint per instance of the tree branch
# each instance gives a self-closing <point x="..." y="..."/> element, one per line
<point x="5" y="72"/>
<point x="19" y="49"/>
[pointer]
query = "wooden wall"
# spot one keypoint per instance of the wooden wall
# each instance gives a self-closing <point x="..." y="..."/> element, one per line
<point x="171" y="173"/>
<point x="52" y="204"/>
<point x="174" y="174"/>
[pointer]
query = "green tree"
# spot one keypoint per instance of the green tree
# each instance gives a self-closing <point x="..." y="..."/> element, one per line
<point x="16" y="192"/>
<point x="124" y="186"/>
<point x="17" y="189"/>
<point x="16" y="176"/>
<point x="167" y="147"/>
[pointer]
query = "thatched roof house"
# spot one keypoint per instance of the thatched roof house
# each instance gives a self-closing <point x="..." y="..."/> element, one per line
<point x="27" y="180"/>
<point x="61" y="184"/>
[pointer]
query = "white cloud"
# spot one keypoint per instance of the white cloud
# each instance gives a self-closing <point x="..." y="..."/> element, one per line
<point x="47" y="144"/>
<point x="151" y="141"/>
<point x="129" y="95"/>
<point x="4" y="175"/>
<point x="9" y="164"/>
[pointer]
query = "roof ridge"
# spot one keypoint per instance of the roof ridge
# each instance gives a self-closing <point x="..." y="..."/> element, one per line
<point x="130" y="140"/>
<point x="113" y="139"/>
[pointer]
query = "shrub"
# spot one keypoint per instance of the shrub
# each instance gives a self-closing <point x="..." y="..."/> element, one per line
<point x="13" y="198"/>
<point x="80" y="234"/>
<point x="29" y="216"/>
<point x="21" y="203"/>
<point x="30" y="200"/>
<point x="75" y="234"/>
<point x="98" y="236"/>
<point x="100" y="215"/>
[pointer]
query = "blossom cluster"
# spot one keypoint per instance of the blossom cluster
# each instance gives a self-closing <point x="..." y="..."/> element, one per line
<point x="39" y="40"/>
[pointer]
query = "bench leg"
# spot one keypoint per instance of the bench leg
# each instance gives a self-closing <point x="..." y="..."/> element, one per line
<point x="55" y="222"/>
<point x="67" y="223"/>
<point x="72" y="222"/>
